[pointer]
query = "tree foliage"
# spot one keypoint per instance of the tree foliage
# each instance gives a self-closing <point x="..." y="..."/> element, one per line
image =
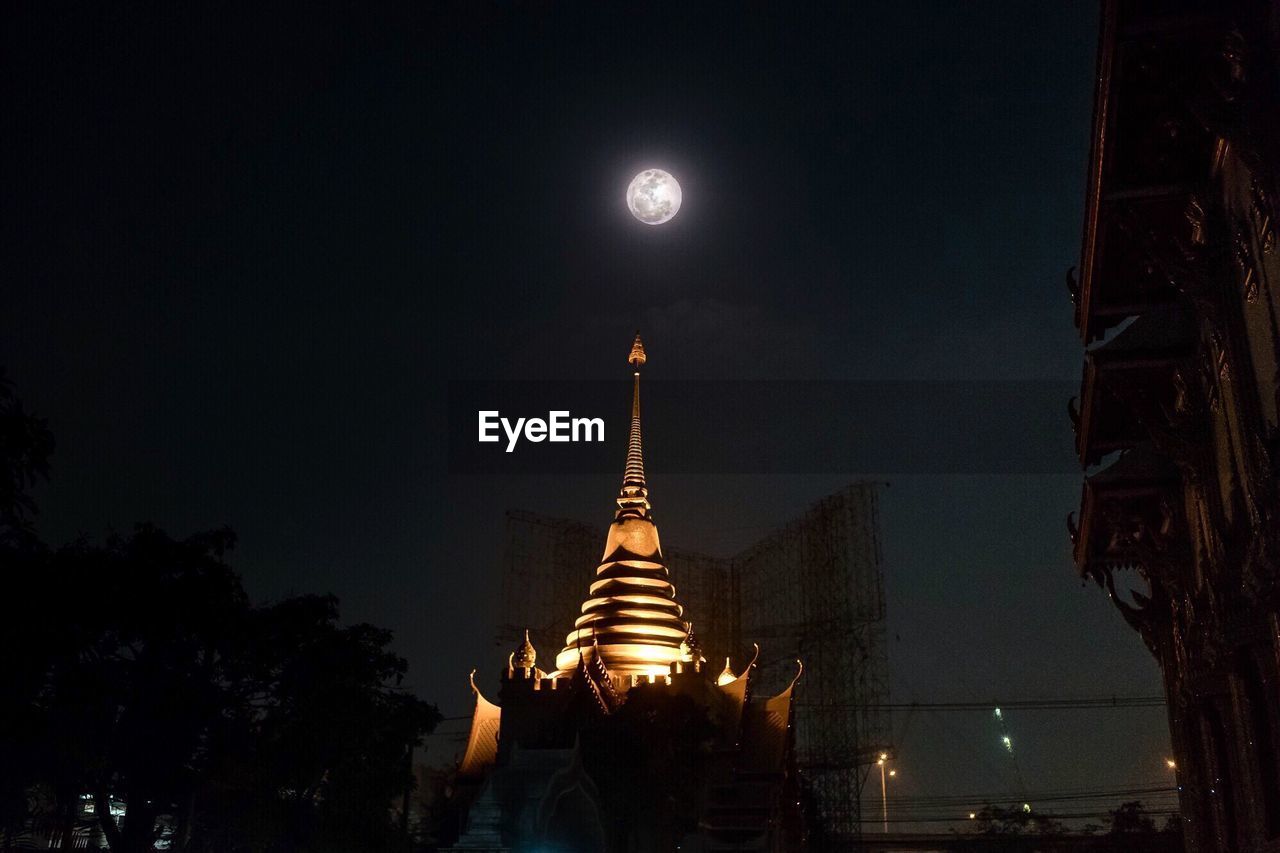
<point x="1130" y="829"/>
<point x="138" y="670"/>
<point x="26" y="444"/>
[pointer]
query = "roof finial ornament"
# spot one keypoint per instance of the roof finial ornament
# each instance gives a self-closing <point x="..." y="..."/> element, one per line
<point x="633" y="499"/>
<point x="726" y="675"/>
<point x="526" y="656"/>
<point x="691" y="648"/>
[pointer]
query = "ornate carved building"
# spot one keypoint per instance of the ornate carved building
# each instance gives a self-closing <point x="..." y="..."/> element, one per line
<point x="1178" y="303"/>
<point x="633" y="742"/>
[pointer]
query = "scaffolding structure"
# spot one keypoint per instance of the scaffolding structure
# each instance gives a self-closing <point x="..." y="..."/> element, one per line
<point x="813" y="589"/>
<point x="705" y="588"/>
<point x="544" y="564"/>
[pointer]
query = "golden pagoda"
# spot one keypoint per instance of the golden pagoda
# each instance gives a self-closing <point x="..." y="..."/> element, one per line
<point x="556" y="762"/>
<point x="630" y="619"/>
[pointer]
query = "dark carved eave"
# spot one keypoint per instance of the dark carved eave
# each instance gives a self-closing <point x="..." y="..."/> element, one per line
<point x="1150" y="144"/>
<point x="1122" y="508"/>
<point x="1128" y="383"/>
<point x="1083" y="290"/>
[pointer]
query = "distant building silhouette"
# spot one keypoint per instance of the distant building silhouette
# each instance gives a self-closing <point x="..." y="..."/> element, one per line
<point x="1177" y="300"/>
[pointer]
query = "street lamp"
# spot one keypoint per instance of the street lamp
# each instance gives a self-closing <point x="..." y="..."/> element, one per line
<point x="884" y="791"/>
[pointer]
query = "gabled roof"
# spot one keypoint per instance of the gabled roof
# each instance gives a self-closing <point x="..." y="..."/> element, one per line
<point x="482" y="740"/>
<point x="765" y="731"/>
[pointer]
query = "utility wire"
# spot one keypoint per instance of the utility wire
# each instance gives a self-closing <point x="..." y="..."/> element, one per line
<point x="1101" y="703"/>
<point x="1042" y="796"/>
<point x="964" y="818"/>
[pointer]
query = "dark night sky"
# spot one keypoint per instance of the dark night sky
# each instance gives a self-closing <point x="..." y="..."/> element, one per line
<point x="243" y="257"/>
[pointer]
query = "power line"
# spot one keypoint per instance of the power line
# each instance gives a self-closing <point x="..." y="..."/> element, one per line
<point x="964" y="818"/>
<point x="963" y="808"/>
<point x="1052" y="795"/>
<point x="1099" y="703"/>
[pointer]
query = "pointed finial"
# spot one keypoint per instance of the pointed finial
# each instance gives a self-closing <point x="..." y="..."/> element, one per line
<point x="799" y="672"/>
<point x="525" y="656"/>
<point x="637" y="356"/>
<point x="690" y="648"/>
<point x="633" y="499"/>
<point x="754" y="658"/>
<point x="726" y="676"/>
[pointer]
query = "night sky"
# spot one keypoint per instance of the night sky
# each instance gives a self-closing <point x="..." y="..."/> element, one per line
<point x="245" y="257"/>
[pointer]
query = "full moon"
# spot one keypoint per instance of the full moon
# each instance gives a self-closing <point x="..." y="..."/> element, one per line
<point x="654" y="196"/>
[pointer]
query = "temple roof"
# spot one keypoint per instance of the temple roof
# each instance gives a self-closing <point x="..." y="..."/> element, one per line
<point x="482" y="740"/>
<point x="764" y="735"/>
<point x="630" y="618"/>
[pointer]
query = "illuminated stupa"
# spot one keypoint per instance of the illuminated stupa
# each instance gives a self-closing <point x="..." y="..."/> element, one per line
<point x="632" y="743"/>
<point x="630" y="618"/>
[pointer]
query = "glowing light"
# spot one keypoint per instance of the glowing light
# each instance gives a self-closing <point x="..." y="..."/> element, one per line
<point x="1008" y="744"/>
<point x="1173" y="765"/>
<point x="893" y="772"/>
<point x="1026" y="807"/>
<point x="973" y="816"/>
<point x="726" y="676"/>
<point x="999" y="716"/>
<point x="654" y="196"/>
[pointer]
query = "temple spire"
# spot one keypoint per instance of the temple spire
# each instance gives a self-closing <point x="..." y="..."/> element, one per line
<point x="633" y="498"/>
<point x="630" y="623"/>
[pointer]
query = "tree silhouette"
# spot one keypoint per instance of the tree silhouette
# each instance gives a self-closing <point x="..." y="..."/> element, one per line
<point x="1131" y="818"/>
<point x="317" y="748"/>
<point x="140" y="671"/>
<point x="25" y="447"/>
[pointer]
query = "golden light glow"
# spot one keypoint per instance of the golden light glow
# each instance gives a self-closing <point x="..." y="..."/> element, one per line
<point x="624" y="658"/>
<point x="638" y="630"/>
<point x="1173" y="765"/>
<point x="630" y="598"/>
<point x="726" y="676"/>
<point x="604" y="583"/>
